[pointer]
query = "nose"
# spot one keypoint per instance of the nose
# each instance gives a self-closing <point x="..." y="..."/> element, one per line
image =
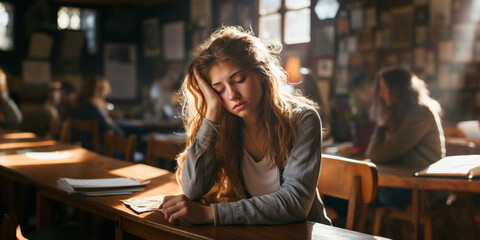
<point x="232" y="93"/>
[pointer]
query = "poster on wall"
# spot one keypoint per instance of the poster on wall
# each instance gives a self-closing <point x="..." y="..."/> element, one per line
<point x="325" y="41"/>
<point x="401" y="35"/>
<point x="151" y="37"/>
<point x="37" y="72"/>
<point x="325" y="67"/>
<point x="120" y="63"/>
<point x="440" y="12"/>
<point x="174" y="41"/>
<point x="40" y="45"/>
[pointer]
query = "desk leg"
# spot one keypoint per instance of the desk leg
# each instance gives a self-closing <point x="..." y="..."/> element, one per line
<point x="118" y="229"/>
<point x="44" y="211"/>
<point x="415" y="212"/>
<point x="11" y="194"/>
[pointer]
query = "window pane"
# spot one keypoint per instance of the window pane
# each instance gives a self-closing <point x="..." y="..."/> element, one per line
<point x="6" y="26"/>
<point x="297" y="26"/>
<point x="63" y="19"/>
<point x="297" y="4"/>
<point x="269" y="6"/>
<point x="270" y="27"/>
<point x="326" y="9"/>
<point x="89" y="25"/>
<point x="75" y="18"/>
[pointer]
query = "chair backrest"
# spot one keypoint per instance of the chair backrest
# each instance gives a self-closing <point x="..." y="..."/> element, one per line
<point x="162" y="149"/>
<point x="88" y="126"/>
<point x="10" y="229"/>
<point x="126" y="145"/>
<point x="352" y="180"/>
<point x="460" y="146"/>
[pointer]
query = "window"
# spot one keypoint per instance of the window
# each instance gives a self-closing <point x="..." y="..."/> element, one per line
<point x="288" y="17"/>
<point x="6" y="26"/>
<point x="80" y="19"/>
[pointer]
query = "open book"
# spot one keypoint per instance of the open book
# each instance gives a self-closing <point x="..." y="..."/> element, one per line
<point x="101" y="186"/>
<point x="467" y="166"/>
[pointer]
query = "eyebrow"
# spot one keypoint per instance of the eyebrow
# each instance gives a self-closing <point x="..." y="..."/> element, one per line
<point x="231" y="76"/>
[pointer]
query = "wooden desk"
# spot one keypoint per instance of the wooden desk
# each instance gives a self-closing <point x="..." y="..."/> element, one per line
<point x="151" y="126"/>
<point x="43" y="174"/>
<point x="402" y="177"/>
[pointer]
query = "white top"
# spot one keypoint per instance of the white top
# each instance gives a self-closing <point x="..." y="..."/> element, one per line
<point x="259" y="177"/>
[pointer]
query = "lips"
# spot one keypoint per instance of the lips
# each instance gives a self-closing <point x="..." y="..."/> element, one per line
<point x="239" y="106"/>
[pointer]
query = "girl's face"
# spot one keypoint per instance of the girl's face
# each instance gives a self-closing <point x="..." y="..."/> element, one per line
<point x="385" y="93"/>
<point x="240" y="90"/>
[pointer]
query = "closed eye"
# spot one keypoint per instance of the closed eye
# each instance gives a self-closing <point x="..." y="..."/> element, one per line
<point x="241" y="80"/>
<point x="219" y="91"/>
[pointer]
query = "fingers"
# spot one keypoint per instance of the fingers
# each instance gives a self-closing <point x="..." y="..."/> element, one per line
<point x="214" y="103"/>
<point x="204" y="87"/>
<point x="172" y="204"/>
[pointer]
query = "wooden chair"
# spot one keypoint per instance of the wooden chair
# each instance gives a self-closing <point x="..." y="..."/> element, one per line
<point x="165" y="149"/>
<point x="10" y="229"/>
<point x="89" y="126"/>
<point x="126" y="145"/>
<point x="352" y="180"/>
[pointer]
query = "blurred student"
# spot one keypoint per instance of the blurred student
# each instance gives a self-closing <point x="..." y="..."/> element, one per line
<point x="42" y="119"/>
<point x="409" y="130"/>
<point x="68" y="93"/>
<point x="91" y="105"/>
<point x="10" y="115"/>
<point x="364" y="88"/>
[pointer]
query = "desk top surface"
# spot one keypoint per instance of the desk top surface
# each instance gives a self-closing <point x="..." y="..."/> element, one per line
<point x="403" y="177"/>
<point x="43" y="174"/>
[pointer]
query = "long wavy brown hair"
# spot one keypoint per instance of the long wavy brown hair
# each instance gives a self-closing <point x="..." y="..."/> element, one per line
<point x="240" y="47"/>
<point x="408" y="90"/>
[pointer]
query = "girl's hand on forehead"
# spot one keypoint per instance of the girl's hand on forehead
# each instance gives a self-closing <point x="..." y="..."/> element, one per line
<point x="214" y="102"/>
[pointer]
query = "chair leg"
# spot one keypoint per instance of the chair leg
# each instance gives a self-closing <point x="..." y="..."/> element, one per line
<point x="405" y="232"/>
<point x="377" y="222"/>
<point x="427" y="229"/>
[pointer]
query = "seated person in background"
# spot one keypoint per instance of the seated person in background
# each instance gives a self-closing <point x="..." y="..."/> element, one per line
<point x="68" y="93"/>
<point x="409" y="130"/>
<point x="42" y="119"/>
<point x="253" y="146"/>
<point x="10" y="115"/>
<point x="89" y="105"/>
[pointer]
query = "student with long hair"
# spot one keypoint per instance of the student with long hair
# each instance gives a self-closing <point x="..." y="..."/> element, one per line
<point x="409" y="129"/>
<point x="91" y="104"/>
<point x="253" y="147"/>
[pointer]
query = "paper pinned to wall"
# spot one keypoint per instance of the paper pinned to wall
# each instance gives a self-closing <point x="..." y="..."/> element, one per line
<point x="174" y="40"/>
<point x="36" y="71"/>
<point x="121" y="70"/>
<point x="40" y="45"/>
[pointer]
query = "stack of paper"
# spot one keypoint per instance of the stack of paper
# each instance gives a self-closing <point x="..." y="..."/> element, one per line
<point x="101" y="186"/>
<point x="144" y="204"/>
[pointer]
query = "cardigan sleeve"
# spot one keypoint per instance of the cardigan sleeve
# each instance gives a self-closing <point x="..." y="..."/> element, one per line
<point x="413" y="128"/>
<point x="197" y="172"/>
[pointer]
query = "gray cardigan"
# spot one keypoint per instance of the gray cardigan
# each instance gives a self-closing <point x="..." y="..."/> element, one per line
<point x="298" y="198"/>
<point x="418" y="141"/>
